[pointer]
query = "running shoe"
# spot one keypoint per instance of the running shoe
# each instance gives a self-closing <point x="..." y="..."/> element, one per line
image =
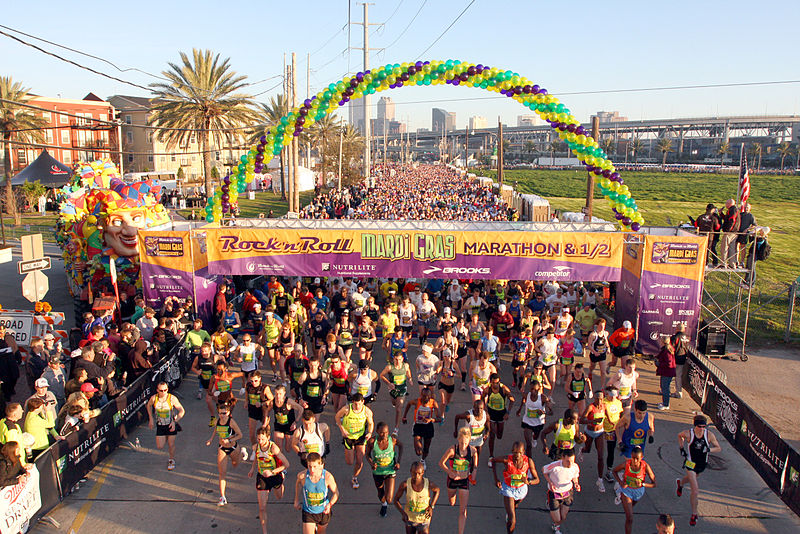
<point x="693" y="520"/>
<point x="442" y="421"/>
<point x="212" y="421"/>
<point x="395" y="431"/>
<point x="618" y="499"/>
<point x="384" y="509"/>
<point x="447" y="408"/>
<point x="677" y="395"/>
<point x="199" y="393"/>
<point x="274" y="379"/>
<point x="222" y="501"/>
<point x="557" y="530"/>
<point x="490" y="463"/>
<point x="679" y="491"/>
<point x="661" y="406"/>
<point x="608" y="476"/>
<point x="355" y="483"/>
<point x="424" y="465"/>
<point x="463" y="387"/>
<point x="600" y="486"/>
<point x="170" y="464"/>
<point x="244" y="454"/>
<point x="535" y="443"/>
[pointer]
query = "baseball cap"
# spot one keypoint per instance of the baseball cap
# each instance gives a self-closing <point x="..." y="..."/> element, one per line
<point x="446" y="310"/>
<point x="627" y="324"/>
<point x="41" y="383"/>
<point x="565" y="309"/>
<point x="501" y="308"/>
<point x="515" y="297"/>
<point x="87" y="387"/>
<point x="317" y="280"/>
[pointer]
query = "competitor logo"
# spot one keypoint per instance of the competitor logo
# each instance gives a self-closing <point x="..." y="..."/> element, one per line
<point x="431" y="269"/>
<point x="696" y="379"/>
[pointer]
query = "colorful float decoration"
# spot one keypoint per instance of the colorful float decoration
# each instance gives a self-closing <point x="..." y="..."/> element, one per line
<point x="100" y="217"/>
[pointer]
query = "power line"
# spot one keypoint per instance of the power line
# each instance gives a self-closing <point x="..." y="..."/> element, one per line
<point x="112" y="150"/>
<point x="447" y="29"/>
<point x="408" y="26"/>
<point x="385" y="22"/>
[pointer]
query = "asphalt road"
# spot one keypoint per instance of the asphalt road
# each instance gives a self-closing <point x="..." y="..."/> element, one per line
<point x="132" y="492"/>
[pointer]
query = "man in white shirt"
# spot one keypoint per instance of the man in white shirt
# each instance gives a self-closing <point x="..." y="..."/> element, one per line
<point x="562" y="478"/>
<point x="556" y="302"/>
<point x="147" y="323"/>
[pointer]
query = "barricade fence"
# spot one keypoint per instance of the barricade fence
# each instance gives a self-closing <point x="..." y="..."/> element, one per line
<point x="66" y="462"/>
<point x="774" y="460"/>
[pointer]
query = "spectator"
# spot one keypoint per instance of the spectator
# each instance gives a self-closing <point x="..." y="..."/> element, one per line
<point x="36" y="361"/>
<point x="746" y="223"/>
<point x="220" y="302"/>
<point x="12" y="462"/>
<point x="666" y="370"/>
<point x="680" y="343"/>
<point x="133" y="353"/>
<point x="56" y="379"/>
<point x="74" y="416"/>
<point x="10" y="428"/>
<point x="40" y="423"/>
<point x="730" y="227"/>
<point x="147" y="324"/>
<point x="9" y="367"/>
<point x="47" y="397"/>
<point x="708" y="223"/>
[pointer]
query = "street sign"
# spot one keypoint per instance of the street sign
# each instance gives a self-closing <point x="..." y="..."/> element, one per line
<point x="40" y="264"/>
<point x="20" y="324"/>
<point x="35" y="286"/>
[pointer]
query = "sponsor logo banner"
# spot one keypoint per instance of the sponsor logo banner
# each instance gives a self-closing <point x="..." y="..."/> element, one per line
<point x="558" y="256"/>
<point x="19" y="503"/>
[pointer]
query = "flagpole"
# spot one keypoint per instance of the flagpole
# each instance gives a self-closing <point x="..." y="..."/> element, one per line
<point x="739" y="181"/>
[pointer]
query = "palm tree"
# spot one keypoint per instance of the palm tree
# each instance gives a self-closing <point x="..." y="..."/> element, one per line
<point x="754" y="151"/>
<point x="321" y="131"/>
<point x="554" y="147"/>
<point x="268" y="116"/>
<point x="664" y="145"/>
<point x="529" y="147"/>
<point x="201" y="96"/>
<point x="607" y="145"/>
<point x="637" y="145"/>
<point x="723" y="150"/>
<point x="784" y="149"/>
<point x="16" y="123"/>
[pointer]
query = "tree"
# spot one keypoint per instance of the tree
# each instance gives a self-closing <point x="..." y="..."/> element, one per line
<point x="16" y="124"/>
<point x="754" y="151"/>
<point x="181" y="175"/>
<point x="529" y="148"/>
<point x="608" y="145"/>
<point x="201" y="97"/>
<point x="214" y="173"/>
<point x="323" y="131"/>
<point x="637" y="145"/>
<point x="784" y="149"/>
<point x="32" y="191"/>
<point x="723" y="150"/>
<point x="554" y="147"/>
<point x="268" y="116"/>
<point x="664" y="145"/>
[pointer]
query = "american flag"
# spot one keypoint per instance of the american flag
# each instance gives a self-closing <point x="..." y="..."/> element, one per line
<point x="744" y="179"/>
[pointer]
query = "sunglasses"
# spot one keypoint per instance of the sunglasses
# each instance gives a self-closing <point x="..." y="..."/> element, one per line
<point x="163" y="390"/>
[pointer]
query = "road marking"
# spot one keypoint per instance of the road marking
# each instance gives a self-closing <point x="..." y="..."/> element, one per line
<point x="84" y="511"/>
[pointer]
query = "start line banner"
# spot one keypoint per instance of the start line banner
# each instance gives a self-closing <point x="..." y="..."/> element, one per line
<point x="565" y="256"/>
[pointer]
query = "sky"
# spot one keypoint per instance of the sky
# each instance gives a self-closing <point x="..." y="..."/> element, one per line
<point x="594" y="48"/>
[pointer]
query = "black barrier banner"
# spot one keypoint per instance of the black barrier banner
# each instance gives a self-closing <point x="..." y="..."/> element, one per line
<point x="762" y="447"/>
<point x="84" y="449"/>
<point x="723" y="406"/>
<point x="791" y="484"/>
<point x="694" y="379"/>
<point x="48" y="483"/>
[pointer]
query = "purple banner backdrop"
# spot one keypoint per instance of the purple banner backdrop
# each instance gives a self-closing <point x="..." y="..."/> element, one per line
<point x="627" y="294"/>
<point x="664" y="302"/>
<point x="483" y="267"/>
<point x="205" y="287"/>
<point x="161" y="282"/>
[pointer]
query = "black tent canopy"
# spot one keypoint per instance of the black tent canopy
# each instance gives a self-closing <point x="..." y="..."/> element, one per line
<point x="46" y="169"/>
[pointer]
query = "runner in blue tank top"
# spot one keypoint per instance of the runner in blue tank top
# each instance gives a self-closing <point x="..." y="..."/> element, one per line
<point x="319" y="493"/>
<point x="635" y="429"/>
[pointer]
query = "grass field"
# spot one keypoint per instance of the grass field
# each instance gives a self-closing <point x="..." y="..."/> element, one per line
<point x="263" y="202"/>
<point x="667" y="199"/>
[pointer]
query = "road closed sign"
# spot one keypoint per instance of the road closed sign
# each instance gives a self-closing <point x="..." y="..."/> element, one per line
<point x="19" y="325"/>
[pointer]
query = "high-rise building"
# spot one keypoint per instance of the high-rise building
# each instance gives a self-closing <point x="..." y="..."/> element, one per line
<point x="385" y="116"/>
<point x="356" y="114"/>
<point x="527" y="120"/>
<point x="477" y="122"/>
<point x="443" y="121"/>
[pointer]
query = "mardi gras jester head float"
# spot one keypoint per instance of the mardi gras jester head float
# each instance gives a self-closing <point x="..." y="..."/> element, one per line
<point x="99" y="221"/>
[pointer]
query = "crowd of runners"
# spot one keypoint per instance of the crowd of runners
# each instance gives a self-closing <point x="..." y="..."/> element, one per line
<point x="424" y="192"/>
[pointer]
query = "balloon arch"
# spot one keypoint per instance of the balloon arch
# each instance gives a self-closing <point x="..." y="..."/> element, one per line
<point x="452" y="72"/>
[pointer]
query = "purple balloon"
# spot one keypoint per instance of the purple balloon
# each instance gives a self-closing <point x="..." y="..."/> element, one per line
<point x="399" y="84"/>
<point x="518" y="90"/>
<point x="404" y="77"/>
<point x="301" y="120"/>
<point x="456" y="81"/>
<point x="296" y="133"/>
<point x="626" y="221"/>
<point x="580" y="130"/>
<point x="618" y="216"/>
<point x="636" y="226"/>
<point x="259" y="157"/>
<point x="553" y="124"/>
<point x="258" y="168"/>
<point x="527" y="89"/>
<point x="479" y="66"/>
<point x="342" y="102"/>
<point x="615" y="176"/>
<point x="412" y="69"/>
<point x="562" y="126"/>
<point x="225" y="187"/>
<point x="471" y="71"/>
<point x="571" y="128"/>
<point x="419" y="64"/>
<point x="353" y="82"/>
<point x="263" y="139"/>
<point x="303" y="112"/>
<point x="307" y="102"/>
<point x="535" y="89"/>
<point x="542" y="91"/>
<point x="620" y="181"/>
<point x="360" y="76"/>
<point x="502" y="91"/>
<point x="606" y="173"/>
<point x="259" y="148"/>
<point x="464" y="76"/>
<point x="225" y="198"/>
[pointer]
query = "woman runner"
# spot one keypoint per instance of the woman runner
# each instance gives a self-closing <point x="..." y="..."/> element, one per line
<point x="311" y="436"/>
<point x="478" y="423"/>
<point x="228" y="434"/>
<point x="285" y="412"/>
<point x="578" y="387"/>
<point x="397" y="375"/>
<point x="338" y="370"/>
<point x="269" y="465"/>
<point x="344" y="331"/>
<point x="459" y="462"/>
<point x="480" y="370"/>
<point x="426" y="411"/>
<point x="631" y="481"/>
<point x="447" y="381"/>
<point x="537" y="406"/>
<point x="594" y="419"/>
<point x="366" y="339"/>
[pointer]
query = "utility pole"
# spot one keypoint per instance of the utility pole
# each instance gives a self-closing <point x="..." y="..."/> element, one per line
<point x="366" y="99"/>
<point x="590" y="178"/>
<point x="339" y="175"/>
<point x="500" y="153"/>
<point x="466" y="148"/>
<point x="295" y="140"/>
<point x="287" y="153"/>
<point x="308" y="96"/>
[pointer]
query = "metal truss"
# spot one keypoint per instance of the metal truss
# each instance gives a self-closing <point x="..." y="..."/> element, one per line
<point x="438" y="226"/>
